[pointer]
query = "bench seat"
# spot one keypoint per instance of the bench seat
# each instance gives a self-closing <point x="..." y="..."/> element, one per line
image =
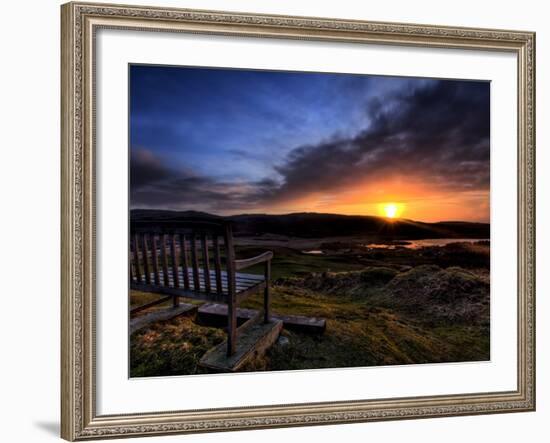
<point x="246" y="284"/>
<point x="243" y="281"/>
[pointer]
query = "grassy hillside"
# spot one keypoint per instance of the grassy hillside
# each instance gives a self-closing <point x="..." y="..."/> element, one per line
<point x="383" y="314"/>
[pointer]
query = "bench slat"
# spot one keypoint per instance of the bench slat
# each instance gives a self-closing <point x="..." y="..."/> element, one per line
<point x="205" y="262"/>
<point x="175" y="261"/>
<point x="195" y="262"/>
<point x="184" y="262"/>
<point x="217" y="264"/>
<point x="155" y="260"/>
<point x="130" y="266"/>
<point x="137" y="265"/>
<point x="164" y="256"/>
<point x="145" y="258"/>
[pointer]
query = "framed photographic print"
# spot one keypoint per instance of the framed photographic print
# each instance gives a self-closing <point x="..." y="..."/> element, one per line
<point x="281" y="221"/>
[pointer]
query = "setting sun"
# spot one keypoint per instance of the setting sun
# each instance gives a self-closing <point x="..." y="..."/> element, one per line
<point x="391" y="210"/>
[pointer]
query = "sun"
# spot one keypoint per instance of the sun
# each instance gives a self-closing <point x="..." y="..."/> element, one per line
<point x="391" y="210"/>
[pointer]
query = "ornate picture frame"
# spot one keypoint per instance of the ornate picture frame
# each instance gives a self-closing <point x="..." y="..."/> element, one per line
<point x="80" y="22"/>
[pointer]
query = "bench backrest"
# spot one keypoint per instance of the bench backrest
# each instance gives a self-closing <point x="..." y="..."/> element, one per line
<point x="163" y="251"/>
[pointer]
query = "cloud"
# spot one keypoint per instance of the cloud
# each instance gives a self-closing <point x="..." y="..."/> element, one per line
<point x="434" y="131"/>
<point x="439" y="133"/>
<point x="154" y="184"/>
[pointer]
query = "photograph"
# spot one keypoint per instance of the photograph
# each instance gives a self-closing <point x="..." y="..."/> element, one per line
<point x="283" y="220"/>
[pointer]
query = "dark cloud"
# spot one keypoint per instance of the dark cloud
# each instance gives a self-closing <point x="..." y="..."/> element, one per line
<point x="438" y="132"/>
<point x="153" y="184"/>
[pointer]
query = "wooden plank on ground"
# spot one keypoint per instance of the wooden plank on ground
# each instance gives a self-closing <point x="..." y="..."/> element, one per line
<point x="178" y="291"/>
<point x="315" y="325"/>
<point x="215" y="314"/>
<point x="140" y="322"/>
<point x="149" y="305"/>
<point x="253" y="341"/>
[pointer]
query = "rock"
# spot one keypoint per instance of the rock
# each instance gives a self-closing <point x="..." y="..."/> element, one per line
<point x="283" y="341"/>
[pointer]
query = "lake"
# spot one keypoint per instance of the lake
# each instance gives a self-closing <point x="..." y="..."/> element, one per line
<point x="417" y="244"/>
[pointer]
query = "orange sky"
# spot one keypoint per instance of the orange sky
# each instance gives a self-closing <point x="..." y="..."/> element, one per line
<point x="416" y="201"/>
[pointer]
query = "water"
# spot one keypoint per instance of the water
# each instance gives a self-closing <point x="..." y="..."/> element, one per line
<point x="417" y="244"/>
<point x="407" y="244"/>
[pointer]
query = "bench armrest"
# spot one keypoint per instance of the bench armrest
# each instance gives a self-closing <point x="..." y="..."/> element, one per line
<point x="247" y="262"/>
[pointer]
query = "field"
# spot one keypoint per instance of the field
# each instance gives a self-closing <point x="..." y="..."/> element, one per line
<point x="384" y="305"/>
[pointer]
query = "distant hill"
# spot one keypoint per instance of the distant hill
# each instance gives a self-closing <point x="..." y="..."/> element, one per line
<point x="315" y="225"/>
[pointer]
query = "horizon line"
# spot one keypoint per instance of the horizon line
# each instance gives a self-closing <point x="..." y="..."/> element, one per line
<point x="311" y="212"/>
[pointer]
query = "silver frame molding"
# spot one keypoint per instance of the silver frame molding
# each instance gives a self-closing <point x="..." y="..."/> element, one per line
<point x="79" y="22"/>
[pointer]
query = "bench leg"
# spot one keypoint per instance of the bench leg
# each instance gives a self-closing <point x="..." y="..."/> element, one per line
<point x="231" y="327"/>
<point x="267" y="294"/>
<point x="231" y="292"/>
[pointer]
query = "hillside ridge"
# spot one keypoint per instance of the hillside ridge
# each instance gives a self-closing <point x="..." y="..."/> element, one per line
<point x="316" y="225"/>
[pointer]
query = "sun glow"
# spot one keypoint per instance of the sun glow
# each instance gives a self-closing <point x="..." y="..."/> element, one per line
<point x="391" y="210"/>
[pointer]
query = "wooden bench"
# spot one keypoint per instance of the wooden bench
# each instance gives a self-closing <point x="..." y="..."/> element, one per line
<point x="196" y="259"/>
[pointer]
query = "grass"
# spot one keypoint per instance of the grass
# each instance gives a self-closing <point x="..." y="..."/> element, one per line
<point x="290" y="262"/>
<point x="360" y="332"/>
<point x="364" y="328"/>
<point x="170" y="348"/>
<point x="383" y="307"/>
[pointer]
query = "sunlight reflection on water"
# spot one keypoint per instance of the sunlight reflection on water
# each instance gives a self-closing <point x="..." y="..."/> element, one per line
<point x="417" y="244"/>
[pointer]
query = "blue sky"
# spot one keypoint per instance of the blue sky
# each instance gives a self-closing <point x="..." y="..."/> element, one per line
<point x="235" y="123"/>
